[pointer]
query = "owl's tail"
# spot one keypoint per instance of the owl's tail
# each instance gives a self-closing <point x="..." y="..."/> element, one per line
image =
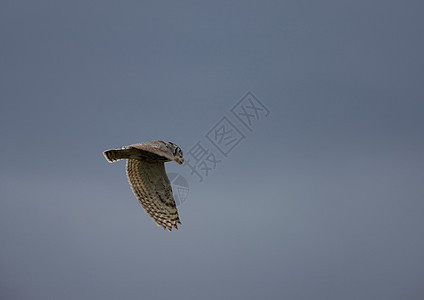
<point x="116" y="154"/>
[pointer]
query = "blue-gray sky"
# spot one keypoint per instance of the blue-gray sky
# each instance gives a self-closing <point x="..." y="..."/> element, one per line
<point x="322" y="200"/>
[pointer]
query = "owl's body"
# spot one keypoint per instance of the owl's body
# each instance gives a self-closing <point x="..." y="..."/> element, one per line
<point x="147" y="176"/>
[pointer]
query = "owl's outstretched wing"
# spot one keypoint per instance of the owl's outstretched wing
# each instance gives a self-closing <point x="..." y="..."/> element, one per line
<point x="138" y="151"/>
<point x="157" y="148"/>
<point x="152" y="188"/>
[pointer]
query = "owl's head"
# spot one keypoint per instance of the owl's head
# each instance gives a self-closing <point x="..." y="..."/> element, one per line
<point x="176" y="152"/>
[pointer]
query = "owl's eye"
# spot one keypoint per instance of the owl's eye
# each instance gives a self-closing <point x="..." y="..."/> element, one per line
<point x="178" y="150"/>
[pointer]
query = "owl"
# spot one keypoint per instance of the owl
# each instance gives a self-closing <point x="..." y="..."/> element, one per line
<point x="147" y="177"/>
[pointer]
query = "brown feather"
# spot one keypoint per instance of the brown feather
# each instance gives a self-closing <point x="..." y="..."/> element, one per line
<point x="152" y="188"/>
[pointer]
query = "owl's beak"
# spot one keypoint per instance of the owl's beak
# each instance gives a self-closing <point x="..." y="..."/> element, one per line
<point x="179" y="160"/>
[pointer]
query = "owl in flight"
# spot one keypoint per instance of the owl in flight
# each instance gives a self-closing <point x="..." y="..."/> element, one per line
<point x="148" y="179"/>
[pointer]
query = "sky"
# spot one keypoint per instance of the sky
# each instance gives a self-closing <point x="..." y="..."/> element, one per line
<point x="319" y="197"/>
